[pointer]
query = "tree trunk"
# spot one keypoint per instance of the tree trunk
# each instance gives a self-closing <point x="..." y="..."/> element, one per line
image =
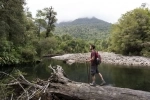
<point x="66" y="89"/>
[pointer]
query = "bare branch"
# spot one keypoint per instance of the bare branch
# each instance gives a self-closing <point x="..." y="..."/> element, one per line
<point x="52" y="68"/>
<point x="15" y="80"/>
<point x="12" y="96"/>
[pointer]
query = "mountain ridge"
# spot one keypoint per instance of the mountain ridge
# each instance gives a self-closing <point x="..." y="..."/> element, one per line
<point x="84" y="20"/>
<point x="84" y="28"/>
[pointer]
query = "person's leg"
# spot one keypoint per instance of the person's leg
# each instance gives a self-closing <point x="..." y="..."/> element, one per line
<point x="93" y="72"/>
<point x="93" y="81"/>
<point x="103" y="81"/>
<point x="93" y="78"/>
<point x="101" y="77"/>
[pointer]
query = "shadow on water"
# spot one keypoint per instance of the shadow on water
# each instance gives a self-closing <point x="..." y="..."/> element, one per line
<point x="118" y="76"/>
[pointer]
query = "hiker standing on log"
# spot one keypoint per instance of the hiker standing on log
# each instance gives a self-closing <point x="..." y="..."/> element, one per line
<point x="94" y="67"/>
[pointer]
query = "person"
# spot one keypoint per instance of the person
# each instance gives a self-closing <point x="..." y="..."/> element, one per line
<point x="94" y="67"/>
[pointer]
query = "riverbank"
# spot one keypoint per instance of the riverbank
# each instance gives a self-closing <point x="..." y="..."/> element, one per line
<point x="109" y="58"/>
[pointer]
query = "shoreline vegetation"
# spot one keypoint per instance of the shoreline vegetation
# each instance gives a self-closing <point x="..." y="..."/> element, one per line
<point x="108" y="58"/>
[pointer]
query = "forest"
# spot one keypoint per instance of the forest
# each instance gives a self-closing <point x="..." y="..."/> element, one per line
<point x="26" y="39"/>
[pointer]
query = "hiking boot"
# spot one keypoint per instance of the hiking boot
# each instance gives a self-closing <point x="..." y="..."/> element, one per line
<point x="93" y="84"/>
<point x="103" y="83"/>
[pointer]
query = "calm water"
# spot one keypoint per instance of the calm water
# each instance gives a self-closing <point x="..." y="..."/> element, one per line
<point x="134" y="78"/>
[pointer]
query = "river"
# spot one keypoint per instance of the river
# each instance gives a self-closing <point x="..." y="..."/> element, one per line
<point x="114" y="75"/>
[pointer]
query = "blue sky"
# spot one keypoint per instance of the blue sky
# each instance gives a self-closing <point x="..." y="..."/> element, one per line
<point x="67" y="10"/>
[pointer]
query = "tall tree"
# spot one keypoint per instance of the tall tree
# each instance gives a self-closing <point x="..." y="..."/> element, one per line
<point x="30" y="27"/>
<point x="51" y="20"/>
<point x="40" y="22"/>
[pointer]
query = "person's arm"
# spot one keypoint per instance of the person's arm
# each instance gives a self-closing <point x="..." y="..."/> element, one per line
<point x="91" y="59"/>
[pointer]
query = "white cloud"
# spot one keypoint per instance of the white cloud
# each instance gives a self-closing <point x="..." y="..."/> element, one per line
<point x="107" y="10"/>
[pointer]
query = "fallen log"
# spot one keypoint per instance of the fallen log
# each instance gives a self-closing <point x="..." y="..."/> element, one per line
<point x="76" y="90"/>
<point x="59" y="87"/>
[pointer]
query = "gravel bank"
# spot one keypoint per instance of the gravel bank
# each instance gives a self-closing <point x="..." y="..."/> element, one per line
<point x="110" y="58"/>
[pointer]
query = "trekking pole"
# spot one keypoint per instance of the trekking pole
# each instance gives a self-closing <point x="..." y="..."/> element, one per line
<point x="88" y="76"/>
<point x="89" y="72"/>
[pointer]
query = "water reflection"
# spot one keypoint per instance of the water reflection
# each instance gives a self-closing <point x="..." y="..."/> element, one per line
<point x="134" y="78"/>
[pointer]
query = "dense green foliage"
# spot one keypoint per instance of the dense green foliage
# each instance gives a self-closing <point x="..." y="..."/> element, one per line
<point x="13" y="31"/>
<point x="89" y="30"/>
<point x="85" y="28"/>
<point x="22" y="38"/>
<point x="18" y="33"/>
<point x="131" y="34"/>
<point x="60" y="45"/>
<point x="26" y="39"/>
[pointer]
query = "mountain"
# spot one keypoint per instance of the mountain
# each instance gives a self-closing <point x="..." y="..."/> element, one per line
<point x="84" y="28"/>
<point x="83" y="21"/>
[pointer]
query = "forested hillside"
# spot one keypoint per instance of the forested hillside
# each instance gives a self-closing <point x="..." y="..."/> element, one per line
<point x="85" y="28"/>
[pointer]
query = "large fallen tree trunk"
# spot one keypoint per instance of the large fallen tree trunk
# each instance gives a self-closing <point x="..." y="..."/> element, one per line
<point x="58" y="87"/>
<point x="64" y="88"/>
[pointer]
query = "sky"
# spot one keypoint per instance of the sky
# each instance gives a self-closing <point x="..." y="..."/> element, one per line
<point x="68" y="10"/>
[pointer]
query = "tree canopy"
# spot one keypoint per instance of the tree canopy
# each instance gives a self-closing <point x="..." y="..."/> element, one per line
<point x="131" y="34"/>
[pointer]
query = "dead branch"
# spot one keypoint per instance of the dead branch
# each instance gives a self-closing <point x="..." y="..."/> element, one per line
<point x="18" y="83"/>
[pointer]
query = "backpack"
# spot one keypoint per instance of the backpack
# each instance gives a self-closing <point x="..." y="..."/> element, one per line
<point x="98" y="58"/>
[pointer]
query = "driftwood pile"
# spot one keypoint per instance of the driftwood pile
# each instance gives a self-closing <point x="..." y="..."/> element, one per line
<point x="59" y="87"/>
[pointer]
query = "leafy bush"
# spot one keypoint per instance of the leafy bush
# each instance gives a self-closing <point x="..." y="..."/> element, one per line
<point x="146" y="52"/>
<point x="28" y="54"/>
<point x="47" y="45"/>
